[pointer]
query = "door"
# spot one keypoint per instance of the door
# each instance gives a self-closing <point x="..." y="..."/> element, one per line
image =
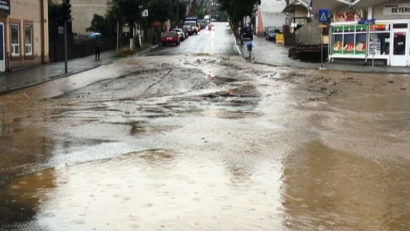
<point x="2" y="55"/>
<point x="400" y="51"/>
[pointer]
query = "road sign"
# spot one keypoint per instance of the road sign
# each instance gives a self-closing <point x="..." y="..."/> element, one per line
<point x="324" y="15"/>
<point x="144" y="13"/>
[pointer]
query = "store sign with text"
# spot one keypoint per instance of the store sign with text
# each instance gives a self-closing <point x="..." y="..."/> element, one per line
<point x="397" y="9"/>
<point x="4" y="6"/>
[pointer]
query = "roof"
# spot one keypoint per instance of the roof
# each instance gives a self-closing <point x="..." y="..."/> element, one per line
<point x="292" y="6"/>
<point x="333" y="4"/>
<point x="337" y="4"/>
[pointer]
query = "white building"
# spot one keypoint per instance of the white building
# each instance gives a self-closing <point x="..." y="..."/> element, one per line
<point x="370" y="29"/>
<point x="270" y="14"/>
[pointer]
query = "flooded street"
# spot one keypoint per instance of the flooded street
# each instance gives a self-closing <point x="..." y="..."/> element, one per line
<point x="206" y="141"/>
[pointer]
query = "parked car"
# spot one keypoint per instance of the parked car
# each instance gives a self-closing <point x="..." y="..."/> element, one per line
<point x="170" y="37"/>
<point x="180" y="33"/>
<point x="189" y="29"/>
<point x="185" y="32"/>
<point x="271" y="33"/>
<point x="247" y="33"/>
<point x="194" y="27"/>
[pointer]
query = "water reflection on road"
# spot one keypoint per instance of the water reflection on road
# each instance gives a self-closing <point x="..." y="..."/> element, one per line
<point x="173" y="147"/>
<point x="152" y="190"/>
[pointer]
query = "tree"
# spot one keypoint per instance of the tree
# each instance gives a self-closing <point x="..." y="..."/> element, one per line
<point x="160" y="10"/>
<point x="237" y="10"/>
<point x="55" y="14"/>
<point x="126" y="11"/>
<point x="103" y="25"/>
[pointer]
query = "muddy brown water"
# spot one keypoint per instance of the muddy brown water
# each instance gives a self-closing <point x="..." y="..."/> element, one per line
<point x="176" y="148"/>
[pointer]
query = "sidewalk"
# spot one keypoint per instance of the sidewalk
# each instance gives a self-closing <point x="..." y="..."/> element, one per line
<point x="31" y="76"/>
<point x="267" y="52"/>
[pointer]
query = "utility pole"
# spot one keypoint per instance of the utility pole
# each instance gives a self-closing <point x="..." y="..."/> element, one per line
<point x="66" y="17"/>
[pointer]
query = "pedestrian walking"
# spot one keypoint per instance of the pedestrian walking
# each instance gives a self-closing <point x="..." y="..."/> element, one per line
<point x="249" y="46"/>
<point x="97" y="47"/>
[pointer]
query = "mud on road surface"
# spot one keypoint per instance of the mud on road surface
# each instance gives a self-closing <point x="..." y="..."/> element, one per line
<point x="206" y="143"/>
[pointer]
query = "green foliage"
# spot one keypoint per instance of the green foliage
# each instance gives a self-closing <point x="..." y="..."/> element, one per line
<point x="160" y="10"/>
<point x="181" y="10"/>
<point x="237" y="9"/>
<point x="55" y="14"/>
<point x="125" y="10"/>
<point x="102" y="25"/>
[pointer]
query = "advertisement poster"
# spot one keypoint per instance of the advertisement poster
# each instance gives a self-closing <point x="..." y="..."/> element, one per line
<point x="348" y="16"/>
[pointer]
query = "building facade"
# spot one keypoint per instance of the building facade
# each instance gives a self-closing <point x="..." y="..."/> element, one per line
<point x="269" y="14"/>
<point x="23" y="33"/>
<point x="379" y="32"/>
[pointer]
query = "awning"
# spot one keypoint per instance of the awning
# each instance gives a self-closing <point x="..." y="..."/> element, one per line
<point x="292" y="7"/>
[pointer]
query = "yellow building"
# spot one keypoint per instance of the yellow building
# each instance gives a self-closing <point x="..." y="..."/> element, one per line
<point x="23" y="33"/>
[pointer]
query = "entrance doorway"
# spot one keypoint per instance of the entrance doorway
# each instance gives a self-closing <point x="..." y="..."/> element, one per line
<point x="2" y="48"/>
<point x="400" y="54"/>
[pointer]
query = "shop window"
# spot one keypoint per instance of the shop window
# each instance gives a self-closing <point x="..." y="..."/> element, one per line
<point x="348" y="40"/>
<point x="15" y="40"/>
<point x="380" y="38"/>
<point x="381" y="43"/>
<point x="337" y="40"/>
<point x="28" y="39"/>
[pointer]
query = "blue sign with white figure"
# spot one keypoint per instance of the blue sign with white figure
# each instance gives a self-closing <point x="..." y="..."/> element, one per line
<point x="324" y="15"/>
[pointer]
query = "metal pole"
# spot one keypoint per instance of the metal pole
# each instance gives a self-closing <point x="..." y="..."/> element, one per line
<point x="118" y="36"/>
<point x="321" y="49"/>
<point x="65" y="48"/>
<point x="177" y="22"/>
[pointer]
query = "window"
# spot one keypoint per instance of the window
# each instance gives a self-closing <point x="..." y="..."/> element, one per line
<point x="15" y="40"/>
<point x="28" y="39"/>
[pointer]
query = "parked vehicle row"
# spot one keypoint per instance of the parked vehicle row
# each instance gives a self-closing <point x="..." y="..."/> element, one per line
<point x="192" y="26"/>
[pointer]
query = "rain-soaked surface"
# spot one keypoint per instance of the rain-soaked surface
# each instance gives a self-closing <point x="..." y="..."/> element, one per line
<point x="203" y="142"/>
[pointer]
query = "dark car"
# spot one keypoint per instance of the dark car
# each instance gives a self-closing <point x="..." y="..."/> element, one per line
<point x="271" y="33"/>
<point x="247" y="33"/>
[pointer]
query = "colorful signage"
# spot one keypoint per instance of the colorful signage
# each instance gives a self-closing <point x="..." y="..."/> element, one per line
<point x="348" y="15"/>
<point x="4" y="6"/>
<point x="378" y="27"/>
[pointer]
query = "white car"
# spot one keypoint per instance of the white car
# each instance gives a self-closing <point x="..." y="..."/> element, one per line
<point x="180" y="33"/>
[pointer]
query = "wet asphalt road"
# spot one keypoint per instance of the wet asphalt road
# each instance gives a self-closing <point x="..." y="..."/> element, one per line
<point x="218" y="41"/>
<point x="194" y="138"/>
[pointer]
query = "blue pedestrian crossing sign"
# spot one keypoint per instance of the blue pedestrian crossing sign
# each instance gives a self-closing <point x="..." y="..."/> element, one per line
<point x="324" y="15"/>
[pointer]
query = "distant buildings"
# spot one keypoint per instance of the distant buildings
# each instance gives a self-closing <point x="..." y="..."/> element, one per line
<point x="270" y="14"/>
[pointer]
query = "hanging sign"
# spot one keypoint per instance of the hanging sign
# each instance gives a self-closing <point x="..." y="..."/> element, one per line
<point x="144" y="13"/>
<point x="397" y="9"/>
<point x="4" y="6"/>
